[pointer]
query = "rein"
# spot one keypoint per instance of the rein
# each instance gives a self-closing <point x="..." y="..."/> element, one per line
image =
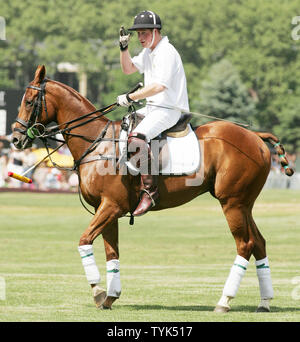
<point x="34" y="129"/>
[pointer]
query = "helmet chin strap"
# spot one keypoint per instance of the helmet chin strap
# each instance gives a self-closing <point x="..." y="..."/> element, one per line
<point x="153" y="38"/>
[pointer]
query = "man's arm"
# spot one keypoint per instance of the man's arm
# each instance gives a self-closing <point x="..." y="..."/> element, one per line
<point x="125" y="58"/>
<point x="150" y="90"/>
<point x="126" y="64"/>
<point x="124" y="100"/>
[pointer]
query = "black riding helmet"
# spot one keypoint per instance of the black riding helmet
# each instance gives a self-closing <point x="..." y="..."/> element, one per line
<point x="146" y="20"/>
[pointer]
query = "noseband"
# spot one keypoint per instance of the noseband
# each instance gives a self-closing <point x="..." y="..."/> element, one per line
<point x="31" y="126"/>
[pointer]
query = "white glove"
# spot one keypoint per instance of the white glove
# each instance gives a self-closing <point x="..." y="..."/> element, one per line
<point x="124" y="39"/>
<point x="123" y="101"/>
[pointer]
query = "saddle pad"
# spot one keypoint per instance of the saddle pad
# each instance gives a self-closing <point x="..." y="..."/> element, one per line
<point x="182" y="155"/>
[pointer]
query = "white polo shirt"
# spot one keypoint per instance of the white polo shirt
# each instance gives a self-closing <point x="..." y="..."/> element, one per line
<point x="164" y="66"/>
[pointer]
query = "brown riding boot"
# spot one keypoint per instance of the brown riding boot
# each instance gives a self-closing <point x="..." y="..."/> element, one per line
<point x="149" y="194"/>
<point x="149" y="191"/>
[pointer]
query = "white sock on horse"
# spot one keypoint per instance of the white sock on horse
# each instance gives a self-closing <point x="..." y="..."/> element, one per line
<point x="113" y="278"/>
<point x="233" y="281"/>
<point x="89" y="264"/>
<point x="265" y="282"/>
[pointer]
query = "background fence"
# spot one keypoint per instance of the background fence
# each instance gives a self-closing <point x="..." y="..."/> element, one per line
<point x="280" y="181"/>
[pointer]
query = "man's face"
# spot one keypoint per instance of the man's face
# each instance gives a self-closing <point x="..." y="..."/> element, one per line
<point x="145" y="37"/>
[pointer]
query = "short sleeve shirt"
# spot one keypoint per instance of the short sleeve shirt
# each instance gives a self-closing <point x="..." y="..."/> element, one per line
<point x="164" y="66"/>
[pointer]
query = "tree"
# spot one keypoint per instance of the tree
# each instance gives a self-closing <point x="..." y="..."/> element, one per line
<point x="224" y="95"/>
<point x="254" y="35"/>
<point x="288" y="125"/>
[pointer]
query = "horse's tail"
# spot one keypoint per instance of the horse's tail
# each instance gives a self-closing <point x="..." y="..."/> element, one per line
<point x="274" y="141"/>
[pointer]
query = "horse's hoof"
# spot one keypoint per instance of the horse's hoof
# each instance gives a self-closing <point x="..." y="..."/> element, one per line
<point x="103" y="307"/>
<point x="108" y="302"/>
<point x="221" y="309"/>
<point x="262" y="309"/>
<point x="99" y="297"/>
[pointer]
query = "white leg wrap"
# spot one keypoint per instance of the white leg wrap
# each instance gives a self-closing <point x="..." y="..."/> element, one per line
<point x="113" y="278"/>
<point x="89" y="264"/>
<point x="235" y="277"/>
<point x="264" y="278"/>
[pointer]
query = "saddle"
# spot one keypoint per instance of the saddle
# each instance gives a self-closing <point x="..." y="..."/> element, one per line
<point x="180" y="129"/>
<point x="175" y="156"/>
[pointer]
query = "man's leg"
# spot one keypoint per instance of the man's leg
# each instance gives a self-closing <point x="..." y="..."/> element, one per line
<point x="149" y="189"/>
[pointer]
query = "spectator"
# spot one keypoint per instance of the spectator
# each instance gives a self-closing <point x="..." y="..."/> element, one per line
<point x="15" y="164"/>
<point x="3" y="164"/>
<point x="275" y="164"/>
<point x="64" y="149"/>
<point x="73" y="181"/>
<point x="39" y="176"/>
<point x="29" y="160"/>
<point x="52" y="179"/>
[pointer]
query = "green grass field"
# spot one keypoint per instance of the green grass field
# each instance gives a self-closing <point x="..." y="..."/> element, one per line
<point x="174" y="263"/>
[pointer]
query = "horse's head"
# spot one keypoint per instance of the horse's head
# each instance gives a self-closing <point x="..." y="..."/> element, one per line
<point x="33" y="113"/>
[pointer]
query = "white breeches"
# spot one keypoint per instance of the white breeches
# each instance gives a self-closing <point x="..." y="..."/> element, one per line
<point x="156" y="121"/>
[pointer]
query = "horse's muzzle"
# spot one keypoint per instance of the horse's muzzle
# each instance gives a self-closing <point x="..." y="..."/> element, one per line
<point x="21" y="141"/>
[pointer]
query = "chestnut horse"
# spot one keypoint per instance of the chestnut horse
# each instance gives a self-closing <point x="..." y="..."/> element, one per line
<point x="235" y="165"/>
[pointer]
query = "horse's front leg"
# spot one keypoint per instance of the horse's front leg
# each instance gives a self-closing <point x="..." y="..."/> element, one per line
<point x="104" y="222"/>
<point x="111" y="240"/>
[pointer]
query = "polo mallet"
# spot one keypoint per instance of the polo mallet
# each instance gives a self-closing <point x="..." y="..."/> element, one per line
<point x="22" y="177"/>
<point x="32" y="134"/>
<point x="150" y="103"/>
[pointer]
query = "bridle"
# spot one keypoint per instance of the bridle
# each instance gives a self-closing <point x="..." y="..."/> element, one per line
<point x="34" y="129"/>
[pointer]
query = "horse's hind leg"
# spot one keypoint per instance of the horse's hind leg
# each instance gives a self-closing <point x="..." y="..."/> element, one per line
<point x="236" y="216"/>
<point x="262" y="270"/>
<point x="105" y="220"/>
<point x="248" y="240"/>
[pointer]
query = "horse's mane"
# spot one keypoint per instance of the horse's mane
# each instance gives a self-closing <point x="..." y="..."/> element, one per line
<point x="72" y="91"/>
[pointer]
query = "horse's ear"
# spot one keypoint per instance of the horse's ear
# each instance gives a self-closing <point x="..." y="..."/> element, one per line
<point x="40" y="74"/>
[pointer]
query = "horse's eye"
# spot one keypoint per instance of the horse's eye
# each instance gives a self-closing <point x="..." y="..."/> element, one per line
<point x="28" y="103"/>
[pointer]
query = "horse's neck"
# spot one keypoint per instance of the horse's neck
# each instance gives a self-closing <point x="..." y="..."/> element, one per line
<point x="71" y="105"/>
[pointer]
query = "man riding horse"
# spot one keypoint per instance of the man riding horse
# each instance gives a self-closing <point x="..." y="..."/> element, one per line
<point x="235" y="165"/>
<point x="165" y="85"/>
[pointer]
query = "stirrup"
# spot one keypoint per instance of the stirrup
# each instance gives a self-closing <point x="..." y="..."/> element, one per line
<point x="148" y="193"/>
